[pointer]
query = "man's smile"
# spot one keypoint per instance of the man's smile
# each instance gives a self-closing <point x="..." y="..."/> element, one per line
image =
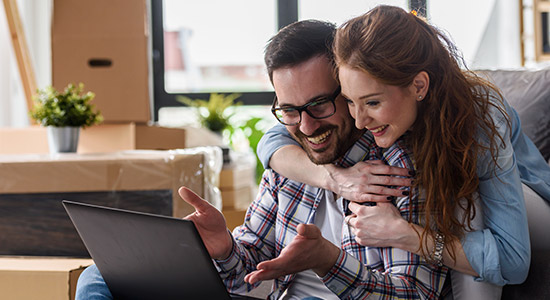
<point x="319" y="139"/>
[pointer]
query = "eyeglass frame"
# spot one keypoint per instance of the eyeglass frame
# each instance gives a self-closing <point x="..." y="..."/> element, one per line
<point x="302" y="108"/>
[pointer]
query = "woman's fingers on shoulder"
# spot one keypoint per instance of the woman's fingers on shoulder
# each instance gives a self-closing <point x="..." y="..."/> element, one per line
<point x="381" y="168"/>
<point x="392" y="170"/>
<point x="391" y="180"/>
<point x="373" y="162"/>
<point x="374" y="197"/>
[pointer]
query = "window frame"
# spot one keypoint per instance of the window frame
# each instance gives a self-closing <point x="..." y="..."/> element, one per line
<point x="287" y="13"/>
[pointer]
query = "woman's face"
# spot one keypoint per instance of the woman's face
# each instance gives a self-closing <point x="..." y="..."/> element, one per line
<point x="386" y="111"/>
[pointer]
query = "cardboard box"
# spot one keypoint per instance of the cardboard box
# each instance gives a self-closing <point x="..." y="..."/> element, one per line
<point x="23" y="140"/>
<point x="104" y="44"/>
<point x="40" y="278"/>
<point x="130" y="136"/>
<point x="238" y="199"/>
<point x="34" y="222"/>
<point x="234" y="176"/>
<point x="233" y="218"/>
<point x="94" y="139"/>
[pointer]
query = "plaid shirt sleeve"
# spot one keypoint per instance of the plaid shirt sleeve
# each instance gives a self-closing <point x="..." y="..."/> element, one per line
<point x="254" y="241"/>
<point x="350" y="279"/>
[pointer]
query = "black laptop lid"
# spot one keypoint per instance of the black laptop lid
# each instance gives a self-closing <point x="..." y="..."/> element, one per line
<point x="145" y="256"/>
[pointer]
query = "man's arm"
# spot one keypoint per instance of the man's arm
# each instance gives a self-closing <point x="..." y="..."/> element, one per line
<point x="404" y="275"/>
<point x="237" y="254"/>
<point x="254" y="241"/>
<point x="308" y="250"/>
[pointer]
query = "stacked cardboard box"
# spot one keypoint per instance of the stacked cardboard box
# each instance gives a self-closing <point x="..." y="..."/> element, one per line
<point x="105" y="45"/>
<point x="45" y="278"/>
<point x="95" y="139"/>
<point x="32" y="187"/>
<point x="238" y="188"/>
<point x="34" y="222"/>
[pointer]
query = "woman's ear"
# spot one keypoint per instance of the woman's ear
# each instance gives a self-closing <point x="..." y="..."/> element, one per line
<point x="420" y="85"/>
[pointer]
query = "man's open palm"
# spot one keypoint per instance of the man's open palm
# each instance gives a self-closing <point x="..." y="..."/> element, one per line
<point x="308" y="250"/>
<point x="210" y="223"/>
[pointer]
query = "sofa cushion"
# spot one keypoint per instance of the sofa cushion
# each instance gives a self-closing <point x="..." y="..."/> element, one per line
<point x="536" y="285"/>
<point x="528" y="92"/>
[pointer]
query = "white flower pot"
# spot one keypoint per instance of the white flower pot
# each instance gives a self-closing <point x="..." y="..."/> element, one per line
<point x="63" y="139"/>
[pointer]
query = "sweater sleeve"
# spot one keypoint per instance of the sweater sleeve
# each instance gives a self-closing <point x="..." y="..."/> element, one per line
<point x="275" y="138"/>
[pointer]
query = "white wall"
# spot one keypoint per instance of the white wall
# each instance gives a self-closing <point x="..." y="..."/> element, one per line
<point x="486" y="31"/>
<point x="35" y="16"/>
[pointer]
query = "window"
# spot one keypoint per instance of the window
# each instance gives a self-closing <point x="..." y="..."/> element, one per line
<point x="206" y="46"/>
<point x="542" y="30"/>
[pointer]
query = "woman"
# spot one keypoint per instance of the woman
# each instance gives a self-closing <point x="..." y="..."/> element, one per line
<point x="392" y="65"/>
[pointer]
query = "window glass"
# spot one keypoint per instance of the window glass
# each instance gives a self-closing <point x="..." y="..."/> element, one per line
<point x="340" y="11"/>
<point x="216" y="45"/>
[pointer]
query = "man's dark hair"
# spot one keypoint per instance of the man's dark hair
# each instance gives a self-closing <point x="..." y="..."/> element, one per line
<point x="297" y="43"/>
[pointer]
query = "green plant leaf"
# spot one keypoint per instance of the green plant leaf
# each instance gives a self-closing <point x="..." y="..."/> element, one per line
<point x="72" y="107"/>
<point x="213" y="112"/>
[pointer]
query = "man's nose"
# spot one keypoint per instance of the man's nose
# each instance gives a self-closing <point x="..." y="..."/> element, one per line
<point x="308" y="125"/>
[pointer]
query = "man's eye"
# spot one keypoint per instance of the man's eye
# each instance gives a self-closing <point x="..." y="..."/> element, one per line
<point x="319" y="102"/>
<point x="288" y="110"/>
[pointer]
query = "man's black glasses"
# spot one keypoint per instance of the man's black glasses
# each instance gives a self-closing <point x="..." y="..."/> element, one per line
<point x="320" y="108"/>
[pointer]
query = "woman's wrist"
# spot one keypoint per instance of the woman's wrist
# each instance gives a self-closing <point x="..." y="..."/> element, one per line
<point x="409" y="238"/>
<point x="329" y="183"/>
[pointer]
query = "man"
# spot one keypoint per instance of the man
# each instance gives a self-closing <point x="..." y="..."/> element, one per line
<point x="298" y="231"/>
<point x="295" y="233"/>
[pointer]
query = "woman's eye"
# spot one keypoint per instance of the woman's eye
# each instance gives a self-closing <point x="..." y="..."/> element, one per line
<point x="348" y="101"/>
<point x="372" y="103"/>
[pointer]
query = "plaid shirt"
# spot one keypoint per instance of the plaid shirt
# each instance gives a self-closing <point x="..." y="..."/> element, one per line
<point x="360" y="272"/>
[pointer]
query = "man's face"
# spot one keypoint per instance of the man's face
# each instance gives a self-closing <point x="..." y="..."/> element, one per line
<point x="324" y="140"/>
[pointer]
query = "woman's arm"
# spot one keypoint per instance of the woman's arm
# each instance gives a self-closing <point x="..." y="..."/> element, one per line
<point x="498" y="253"/>
<point x="366" y="181"/>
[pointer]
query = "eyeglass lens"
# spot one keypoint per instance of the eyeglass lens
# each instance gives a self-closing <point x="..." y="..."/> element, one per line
<point x="318" y="110"/>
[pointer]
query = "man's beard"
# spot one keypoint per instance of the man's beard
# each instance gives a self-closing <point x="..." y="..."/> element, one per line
<point x="328" y="154"/>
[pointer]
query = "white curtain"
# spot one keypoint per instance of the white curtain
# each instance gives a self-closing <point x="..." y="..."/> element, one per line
<point x="35" y="16"/>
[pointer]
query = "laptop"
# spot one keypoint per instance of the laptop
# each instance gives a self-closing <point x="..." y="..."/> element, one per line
<point x="147" y="256"/>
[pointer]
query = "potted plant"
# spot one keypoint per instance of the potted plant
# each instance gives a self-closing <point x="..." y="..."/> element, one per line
<point x="212" y="113"/>
<point x="63" y="114"/>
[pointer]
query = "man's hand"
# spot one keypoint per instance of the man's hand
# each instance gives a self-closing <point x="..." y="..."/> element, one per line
<point x="210" y="223"/>
<point x="381" y="226"/>
<point x="367" y="181"/>
<point x="308" y="250"/>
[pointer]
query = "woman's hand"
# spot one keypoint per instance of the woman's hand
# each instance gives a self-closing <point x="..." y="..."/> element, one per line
<point x="368" y="181"/>
<point x="381" y="226"/>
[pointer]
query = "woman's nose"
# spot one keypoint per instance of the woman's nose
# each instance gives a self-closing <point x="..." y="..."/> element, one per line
<point x="362" y="118"/>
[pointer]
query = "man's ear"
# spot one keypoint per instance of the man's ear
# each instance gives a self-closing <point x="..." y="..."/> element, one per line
<point x="420" y="85"/>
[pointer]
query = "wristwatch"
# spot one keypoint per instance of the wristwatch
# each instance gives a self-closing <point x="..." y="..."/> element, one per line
<point x="437" y="254"/>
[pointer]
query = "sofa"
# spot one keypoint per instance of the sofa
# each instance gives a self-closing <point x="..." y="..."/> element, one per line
<point x="528" y="92"/>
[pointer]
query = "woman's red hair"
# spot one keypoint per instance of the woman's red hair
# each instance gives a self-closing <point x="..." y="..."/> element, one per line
<point x="393" y="46"/>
